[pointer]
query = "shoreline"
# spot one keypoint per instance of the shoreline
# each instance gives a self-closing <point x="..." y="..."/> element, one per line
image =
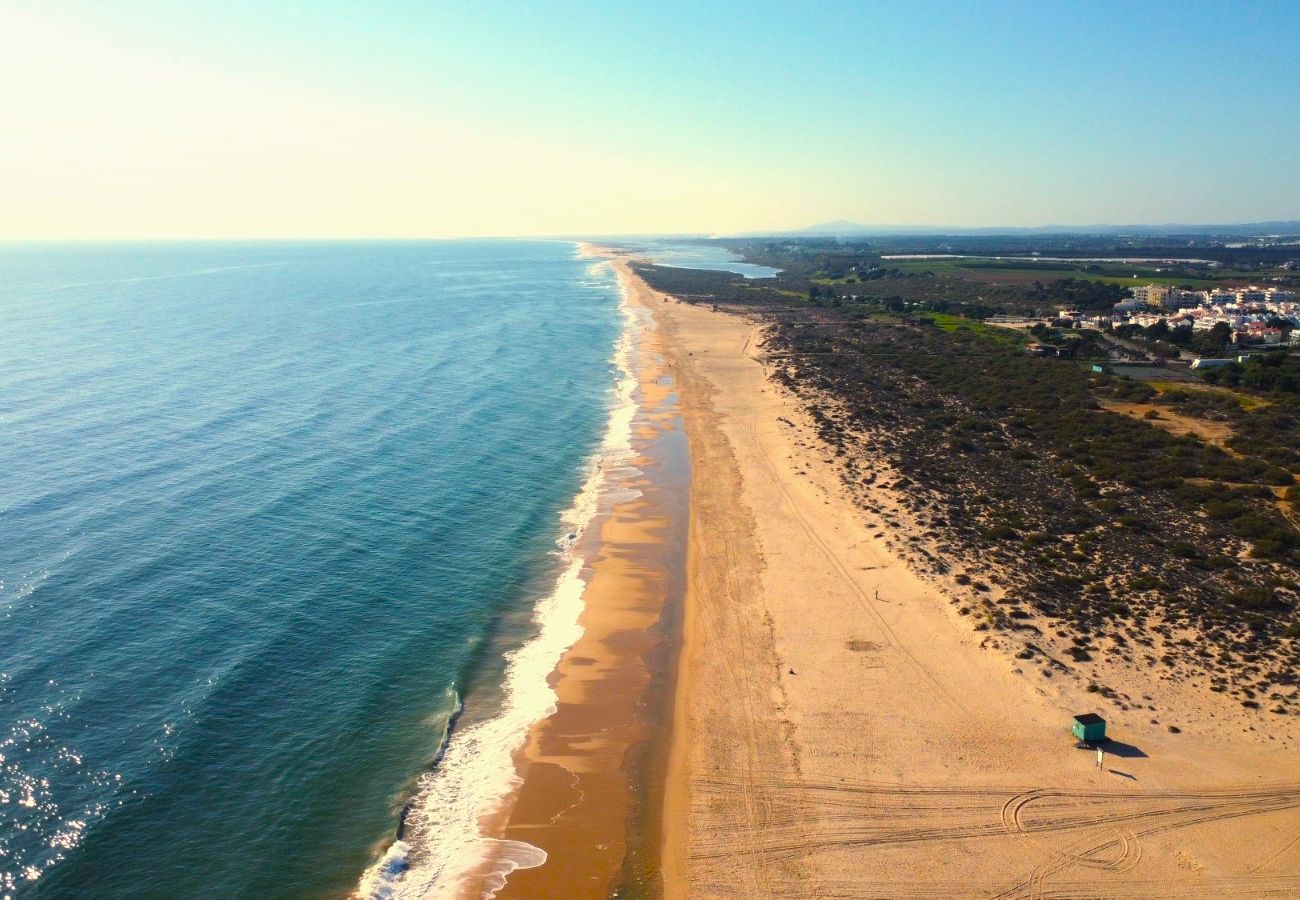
<point x="452" y="837"/>
<point x="590" y="773"/>
<point x="835" y="726"/>
<point x="840" y="729"/>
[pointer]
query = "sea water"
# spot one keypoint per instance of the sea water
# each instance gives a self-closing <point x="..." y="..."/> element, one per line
<point x="271" y="516"/>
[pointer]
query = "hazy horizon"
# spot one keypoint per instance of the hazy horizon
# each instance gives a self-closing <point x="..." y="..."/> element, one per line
<point x="406" y="120"/>
<point x="867" y="230"/>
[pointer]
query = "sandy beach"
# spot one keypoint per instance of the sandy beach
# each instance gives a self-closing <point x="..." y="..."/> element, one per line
<point x="592" y="772"/>
<point x="840" y="731"/>
<point x="835" y="727"/>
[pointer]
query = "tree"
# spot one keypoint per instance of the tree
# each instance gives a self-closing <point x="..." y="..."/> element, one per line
<point x="1182" y="335"/>
<point x="1213" y="340"/>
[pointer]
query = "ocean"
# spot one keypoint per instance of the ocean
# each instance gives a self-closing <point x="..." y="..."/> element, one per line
<point x="273" y="516"/>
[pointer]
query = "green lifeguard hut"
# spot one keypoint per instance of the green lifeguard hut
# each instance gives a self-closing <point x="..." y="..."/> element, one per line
<point x="1089" y="727"/>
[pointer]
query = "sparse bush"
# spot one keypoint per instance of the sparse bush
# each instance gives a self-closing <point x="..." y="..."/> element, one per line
<point x="1252" y="598"/>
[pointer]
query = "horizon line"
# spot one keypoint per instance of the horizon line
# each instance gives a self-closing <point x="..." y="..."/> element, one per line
<point x="817" y="230"/>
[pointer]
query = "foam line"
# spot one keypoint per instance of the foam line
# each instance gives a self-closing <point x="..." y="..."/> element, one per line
<point x="441" y="842"/>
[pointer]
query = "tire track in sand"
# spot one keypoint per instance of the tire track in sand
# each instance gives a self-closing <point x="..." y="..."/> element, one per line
<point x="726" y="598"/>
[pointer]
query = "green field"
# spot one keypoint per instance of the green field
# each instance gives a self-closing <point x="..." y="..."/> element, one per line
<point x="1006" y="336"/>
<point x="1024" y="272"/>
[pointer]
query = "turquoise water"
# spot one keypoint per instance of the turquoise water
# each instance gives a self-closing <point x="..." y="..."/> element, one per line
<point x="267" y="511"/>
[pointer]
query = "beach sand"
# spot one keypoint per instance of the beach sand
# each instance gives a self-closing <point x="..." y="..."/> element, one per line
<point x="592" y="772"/>
<point x="836" y="727"/>
<point x="840" y="732"/>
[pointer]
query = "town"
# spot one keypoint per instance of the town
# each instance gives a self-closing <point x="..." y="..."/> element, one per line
<point x="1203" y="329"/>
<point x="1248" y="315"/>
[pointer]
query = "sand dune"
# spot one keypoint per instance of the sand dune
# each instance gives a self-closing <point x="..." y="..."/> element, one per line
<point x="840" y="732"/>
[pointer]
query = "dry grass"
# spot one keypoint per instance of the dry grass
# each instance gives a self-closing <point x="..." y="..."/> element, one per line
<point x="1216" y="433"/>
<point x="1245" y="401"/>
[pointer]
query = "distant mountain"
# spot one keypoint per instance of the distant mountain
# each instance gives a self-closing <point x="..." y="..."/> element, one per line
<point x="844" y="228"/>
<point x="839" y="227"/>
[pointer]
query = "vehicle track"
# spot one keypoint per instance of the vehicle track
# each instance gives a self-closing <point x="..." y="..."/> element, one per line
<point x="1103" y="830"/>
<point x="729" y="601"/>
<point x="867" y="604"/>
<point x="768" y="829"/>
<point x="1133" y="889"/>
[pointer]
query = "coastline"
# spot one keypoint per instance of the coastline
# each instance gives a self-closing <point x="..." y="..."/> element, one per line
<point x="589" y="773"/>
<point x="840" y="729"/>
<point x="461" y="831"/>
<point x="833" y="726"/>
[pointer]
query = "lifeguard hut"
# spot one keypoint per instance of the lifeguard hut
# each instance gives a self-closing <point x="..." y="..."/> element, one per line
<point x="1089" y="727"/>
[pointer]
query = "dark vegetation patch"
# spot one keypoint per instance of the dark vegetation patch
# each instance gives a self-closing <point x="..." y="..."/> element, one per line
<point x="1108" y="528"/>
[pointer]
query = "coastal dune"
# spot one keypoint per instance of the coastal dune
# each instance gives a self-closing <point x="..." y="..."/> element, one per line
<point x="839" y="731"/>
<point x="780" y="706"/>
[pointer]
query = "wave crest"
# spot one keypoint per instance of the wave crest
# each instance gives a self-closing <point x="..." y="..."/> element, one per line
<point x="442" y="843"/>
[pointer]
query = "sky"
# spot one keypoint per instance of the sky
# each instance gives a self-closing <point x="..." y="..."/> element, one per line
<point x="249" y="119"/>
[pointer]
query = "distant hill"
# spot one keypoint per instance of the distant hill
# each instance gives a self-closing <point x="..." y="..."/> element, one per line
<point x="843" y="228"/>
<point x="838" y="227"/>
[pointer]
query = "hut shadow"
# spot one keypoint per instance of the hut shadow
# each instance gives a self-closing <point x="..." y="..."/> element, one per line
<point x="1122" y="750"/>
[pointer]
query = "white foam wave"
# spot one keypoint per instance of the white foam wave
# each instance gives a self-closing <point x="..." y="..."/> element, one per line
<point x="442" y="842"/>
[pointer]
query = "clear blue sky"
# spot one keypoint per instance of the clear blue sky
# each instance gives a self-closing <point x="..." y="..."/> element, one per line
<point x="446" y="118"/>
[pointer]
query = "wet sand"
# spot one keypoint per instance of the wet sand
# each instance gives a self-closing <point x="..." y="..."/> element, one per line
<point x="592" y="772"/>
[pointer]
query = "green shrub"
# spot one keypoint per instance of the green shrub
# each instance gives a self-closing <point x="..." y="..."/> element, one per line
<point x="1255" y="597"/>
